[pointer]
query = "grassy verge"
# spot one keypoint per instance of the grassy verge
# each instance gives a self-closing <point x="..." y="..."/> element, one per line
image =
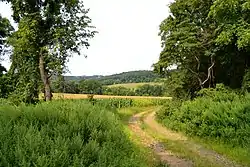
<point x="235" y="153"/>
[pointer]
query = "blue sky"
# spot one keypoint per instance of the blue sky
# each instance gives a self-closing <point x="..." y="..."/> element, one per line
<point x="127" y="39"/>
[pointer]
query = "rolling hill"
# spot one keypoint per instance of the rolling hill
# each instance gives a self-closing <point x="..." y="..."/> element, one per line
<point x="125" y="77"/>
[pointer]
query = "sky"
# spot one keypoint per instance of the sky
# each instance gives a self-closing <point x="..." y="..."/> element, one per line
<point x="127" y="40"/>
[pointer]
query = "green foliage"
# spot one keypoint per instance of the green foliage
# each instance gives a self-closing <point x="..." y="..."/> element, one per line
<point x="144" y="90"/>
<point x="5" y="31"/>
<point x="82" y="87"/>
<point x="59" y="86"/>
<point x="6" y="102"/>
<point x="119" y="91"/>
<point x="188" y="45"/>
<point x="125" y="77"/>
<point x="24" y="71"/>
<point x="48" y="34"/>
<point x="150" y="90"/>
<point x="176" y="87"/>
<point x="207" y="42"/>
<point x="218" y="113"/>
<point x="234" y="28"/>
<point x="64" y="133"/>
<point x="114" y="103"/>
<point x="5" y="86"/>
<point x="129" y="77"/>
<point x="124" y="103"/>
<point x="90" y="87"/>
<point x="246" y="82"/>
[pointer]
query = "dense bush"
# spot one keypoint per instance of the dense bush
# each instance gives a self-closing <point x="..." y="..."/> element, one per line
<point x="217" y="114"/>
<point x="63" y="133"/>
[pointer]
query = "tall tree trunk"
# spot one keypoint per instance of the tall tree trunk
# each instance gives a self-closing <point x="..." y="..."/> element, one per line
<point x="45" y="79"/>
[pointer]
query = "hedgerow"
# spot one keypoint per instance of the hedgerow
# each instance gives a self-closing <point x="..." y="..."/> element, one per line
<point x="218" y="114"/>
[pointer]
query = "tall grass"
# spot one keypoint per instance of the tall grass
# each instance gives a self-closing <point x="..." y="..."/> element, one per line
<point x="64" y="133"/>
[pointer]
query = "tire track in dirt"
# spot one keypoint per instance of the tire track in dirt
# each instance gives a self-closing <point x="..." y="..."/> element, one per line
<point x="150" y="121"/>
<point x="165" y="156"/>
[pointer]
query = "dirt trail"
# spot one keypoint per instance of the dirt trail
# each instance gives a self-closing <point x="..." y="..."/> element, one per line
<point x="203" y="152"/>
<point x="167" y="156"/>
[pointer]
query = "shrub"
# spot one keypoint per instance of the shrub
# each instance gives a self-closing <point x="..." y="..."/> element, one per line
<point x="63" y="133"/>
<point x="217" y="114"/>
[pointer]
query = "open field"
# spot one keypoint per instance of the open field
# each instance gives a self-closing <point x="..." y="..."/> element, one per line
<point x="85" y="96"/>
<point x="134" y="85"/>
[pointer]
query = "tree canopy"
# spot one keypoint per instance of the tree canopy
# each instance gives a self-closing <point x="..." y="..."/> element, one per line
<point x="49" y="32"/>
<point x="5" y="31"/>
<point x="207" y="41"/>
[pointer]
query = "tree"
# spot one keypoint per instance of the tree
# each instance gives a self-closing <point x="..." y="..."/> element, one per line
<point x="5" y="30"/>
<point x="62" y="86"/>
<point x="90" y="87"/>
<point x="187" y="41"/>
<point x="207" y="41"/>
<point x="49" y="33"/>
<point x="58" y="85"/>
<point x="233" y="35"/>
<point x="119" y="91"/>
<point x="150" y="90"/>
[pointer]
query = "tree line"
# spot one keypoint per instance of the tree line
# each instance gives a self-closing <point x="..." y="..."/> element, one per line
<point x="206" y="43"/>
<point x="125" y="77"/>
<point x="92" y="86"/>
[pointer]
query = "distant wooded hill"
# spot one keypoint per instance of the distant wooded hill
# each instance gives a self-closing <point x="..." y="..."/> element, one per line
<point x="125" y="77"/>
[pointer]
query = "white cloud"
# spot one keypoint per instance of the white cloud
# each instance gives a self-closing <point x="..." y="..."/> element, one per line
<point x="127" y="39"/>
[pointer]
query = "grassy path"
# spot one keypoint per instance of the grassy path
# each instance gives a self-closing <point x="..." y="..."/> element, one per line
<point x="172" y="148"/>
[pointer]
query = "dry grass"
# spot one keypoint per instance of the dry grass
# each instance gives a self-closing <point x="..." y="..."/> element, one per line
<point x="85" y="96"/>
<point x="134" y="85"/>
